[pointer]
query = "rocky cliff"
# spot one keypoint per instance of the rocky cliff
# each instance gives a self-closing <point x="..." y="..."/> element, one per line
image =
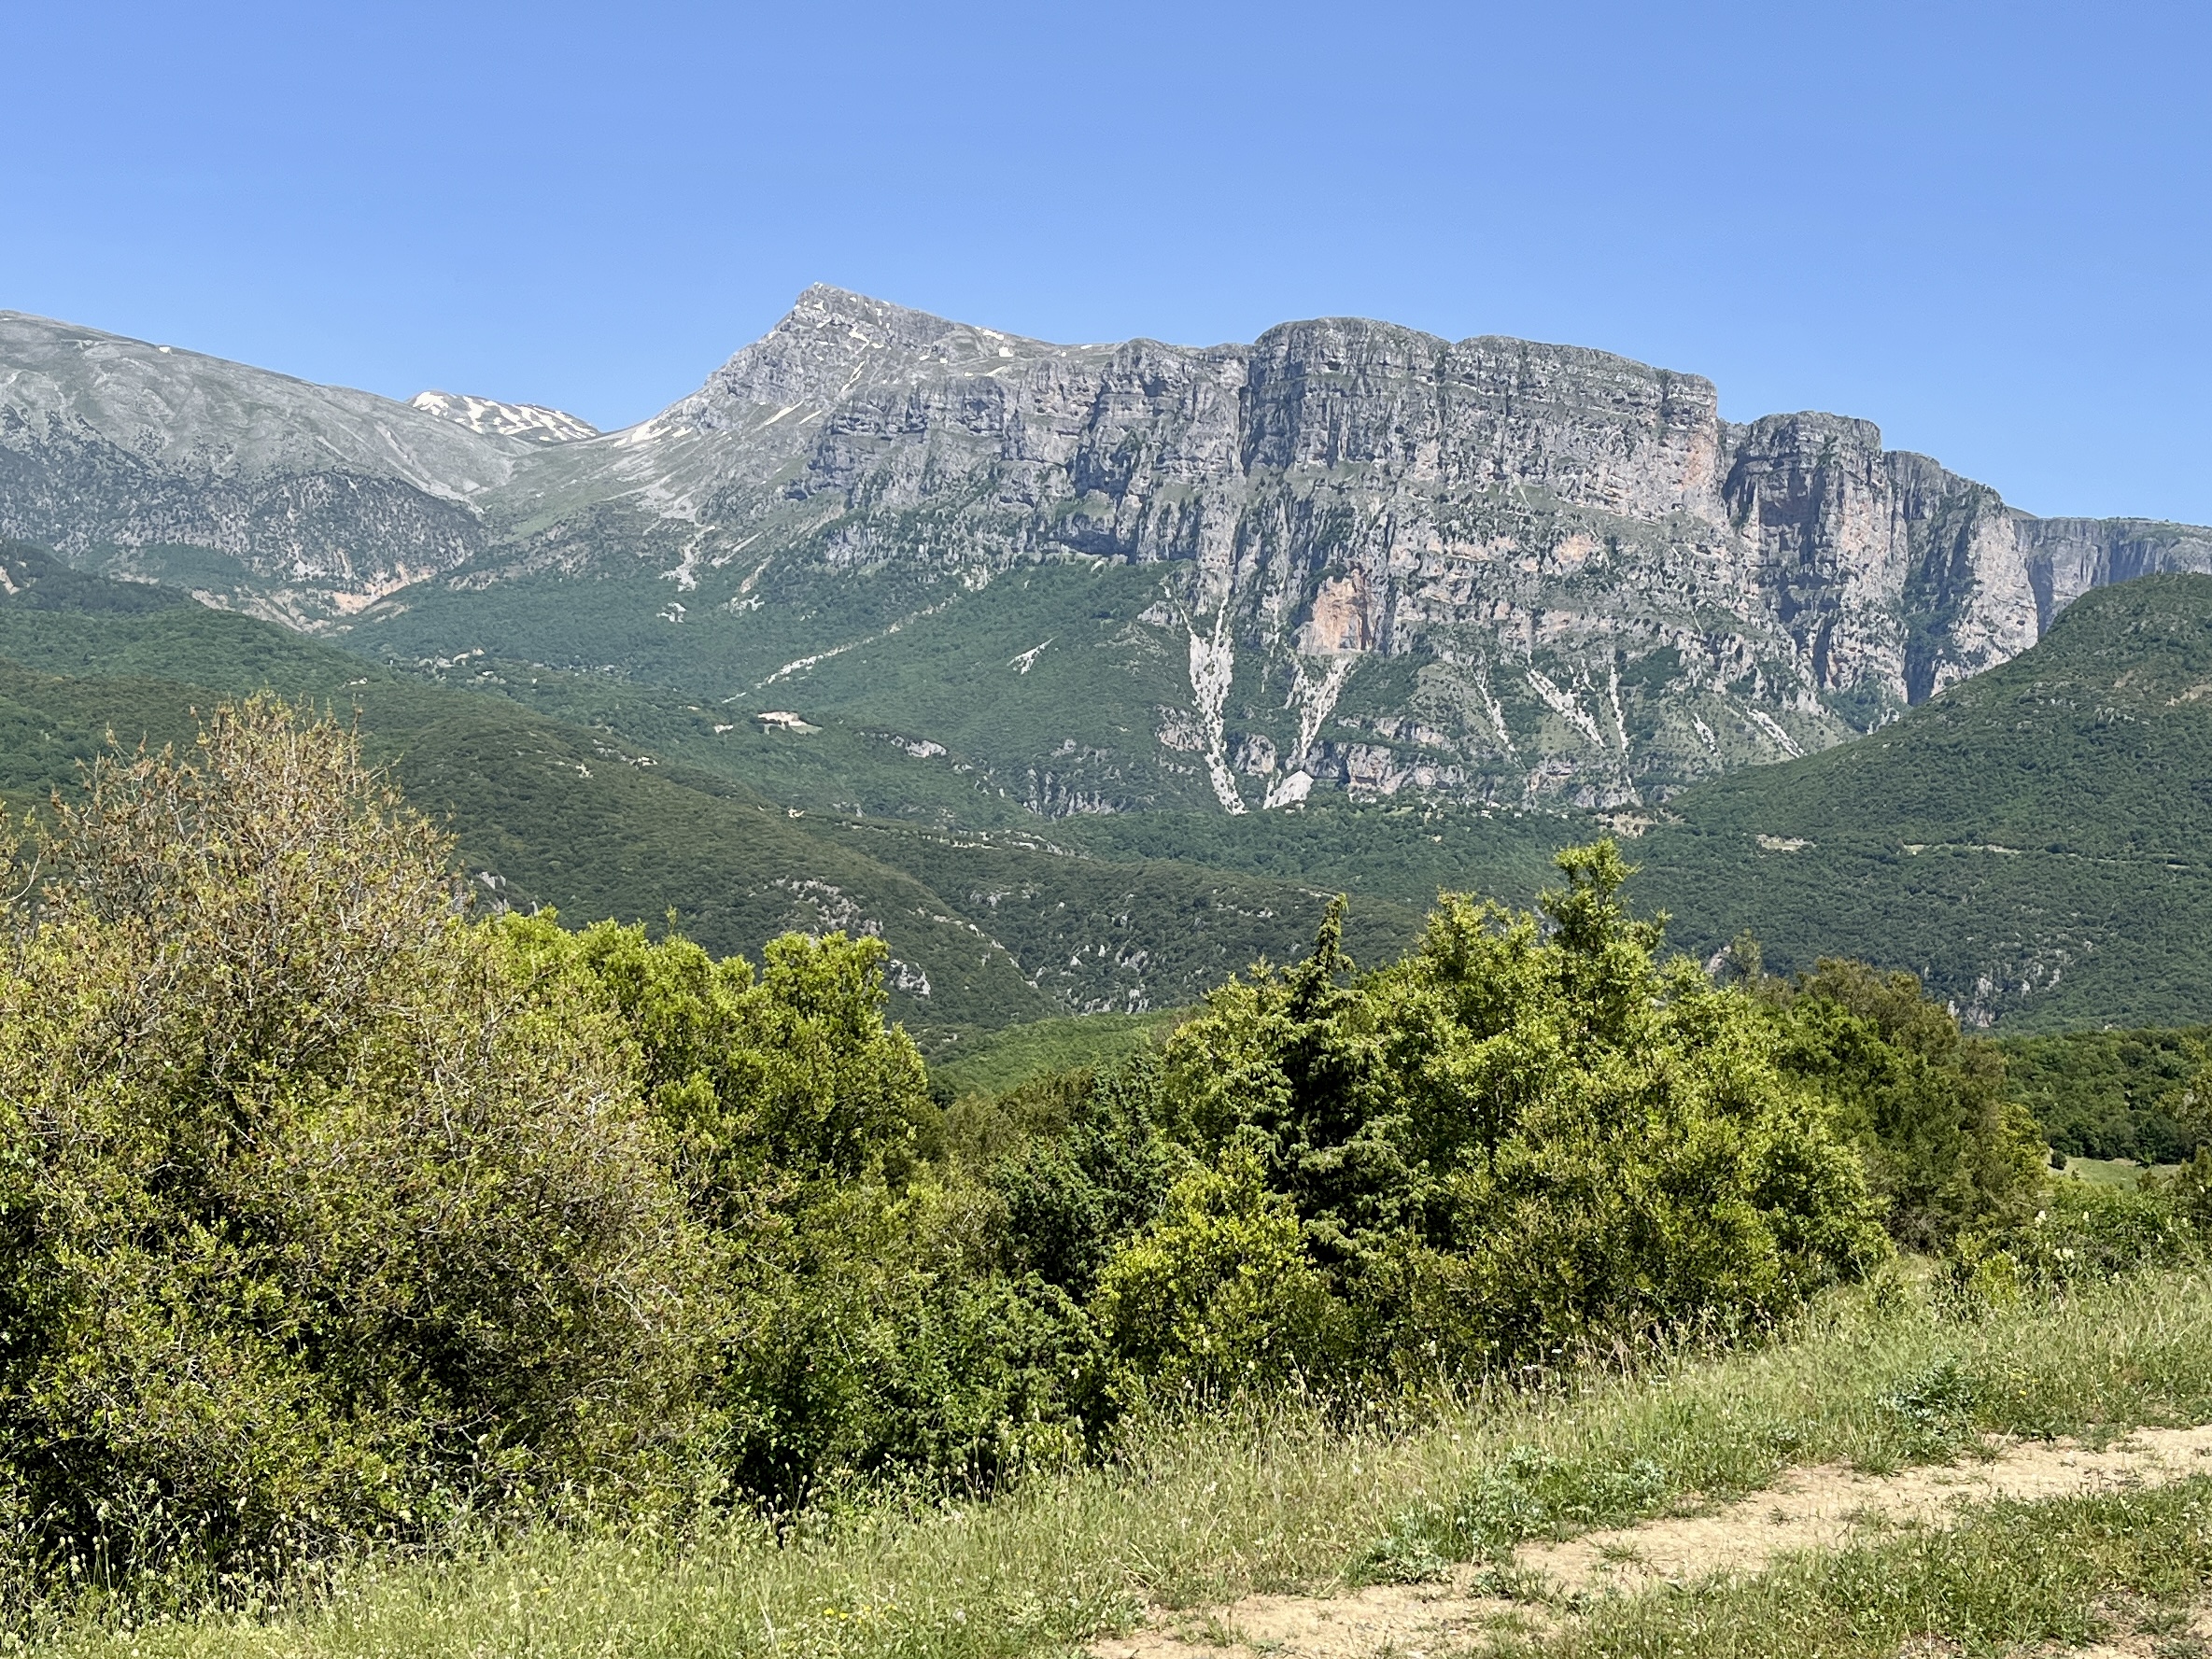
<point x="1601" y="589"/>
<point x="1378" y="560"/>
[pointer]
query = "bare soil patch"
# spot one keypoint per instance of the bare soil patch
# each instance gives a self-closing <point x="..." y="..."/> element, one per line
<point x="1814" y="1508"/>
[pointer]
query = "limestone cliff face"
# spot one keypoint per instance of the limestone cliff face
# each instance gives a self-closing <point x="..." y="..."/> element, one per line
<point x="1603" y="589"/>
<point x="1501" y="570"/>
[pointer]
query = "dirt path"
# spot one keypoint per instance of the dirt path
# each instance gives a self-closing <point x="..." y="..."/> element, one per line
<point x="1808" y="1508"/>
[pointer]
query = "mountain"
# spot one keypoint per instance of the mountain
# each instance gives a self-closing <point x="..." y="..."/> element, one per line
<point x="982" y="931"/>
<point x="2033" y="842"/>
<point x="305" y="503"/>
<point x="1347" y="560"/>
<point x="534" y="421"/>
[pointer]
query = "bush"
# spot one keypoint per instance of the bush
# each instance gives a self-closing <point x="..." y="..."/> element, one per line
<point x="1083" y="1169"/>
<point x="1948" y="1148"/>
<point x="2083" y="1233"/>
<point x="896" y="1312"/>
<point x="1217" y="1297"/>
<point x="1527" y="1134"/>
<point x="324" y="1208"/>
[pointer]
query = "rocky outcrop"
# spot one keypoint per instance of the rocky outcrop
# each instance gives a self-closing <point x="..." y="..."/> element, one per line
<point x="1502" y="570"/>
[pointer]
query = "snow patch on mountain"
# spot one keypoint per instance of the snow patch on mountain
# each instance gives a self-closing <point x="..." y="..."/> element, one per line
<point x="494" y="419"/>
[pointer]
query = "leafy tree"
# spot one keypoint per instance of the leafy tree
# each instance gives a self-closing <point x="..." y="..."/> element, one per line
<point x="881" y="1324"/>
<point x="1527" y="1132"/>
<point x="1947" y="1146"/>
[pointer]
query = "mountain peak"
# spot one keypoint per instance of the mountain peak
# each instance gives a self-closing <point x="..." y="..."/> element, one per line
<point x="534" y="421"/>
<point x="832" y="343"/>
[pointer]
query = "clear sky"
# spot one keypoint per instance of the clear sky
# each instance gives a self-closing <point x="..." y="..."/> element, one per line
<point x="1983" y="226"/>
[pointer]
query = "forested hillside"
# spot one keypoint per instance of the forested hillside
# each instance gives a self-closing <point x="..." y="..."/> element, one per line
<point x="546" y="812"/>
<point x="2030" y="843"/>
<point x="2033" y="843"/>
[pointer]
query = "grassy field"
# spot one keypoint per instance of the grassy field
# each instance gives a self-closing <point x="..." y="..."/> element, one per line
<point x="1190" y="1513"/>
<point x="2114" y="1172"/>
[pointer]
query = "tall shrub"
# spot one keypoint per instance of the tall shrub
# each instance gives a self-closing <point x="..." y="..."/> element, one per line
<point x="1948" y="1149"/>
<point x="323" y="1207"/>
<point x="1528" y="1132"/>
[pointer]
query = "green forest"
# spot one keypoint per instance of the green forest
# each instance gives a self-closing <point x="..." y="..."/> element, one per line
<point x="2027" y="844"/>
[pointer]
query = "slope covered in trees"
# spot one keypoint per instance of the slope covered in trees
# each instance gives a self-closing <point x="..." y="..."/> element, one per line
<point x="982" y="931"/>
<point x="2032" y="843"/>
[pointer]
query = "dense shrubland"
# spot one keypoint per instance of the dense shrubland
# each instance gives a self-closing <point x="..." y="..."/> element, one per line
<point x="330" y="1211"/>
<point x="2115" y="1094"/>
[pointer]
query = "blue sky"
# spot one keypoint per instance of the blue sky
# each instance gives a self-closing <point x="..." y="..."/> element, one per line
<point x="1983" y="227"/>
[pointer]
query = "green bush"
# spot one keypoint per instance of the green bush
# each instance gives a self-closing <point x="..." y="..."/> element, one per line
<point x="324" y="1209"/>
<point x="1217" y="1296"/>
<point x="875" y="1342"/>
<point x="896" y="1312"/>
<point x="2083" y="1233"/>
<point x="1948" y="1147"/>
<point x="1085" y="1168"/>
<point x="1526" y="1135"/>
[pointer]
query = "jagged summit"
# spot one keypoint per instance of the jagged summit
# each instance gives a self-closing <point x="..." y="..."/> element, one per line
<point x="489" y="416"/>
<point x="834" y="344"/>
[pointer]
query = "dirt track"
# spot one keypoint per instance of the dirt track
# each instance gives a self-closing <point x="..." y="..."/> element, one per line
<point x="1808" y="1508"/>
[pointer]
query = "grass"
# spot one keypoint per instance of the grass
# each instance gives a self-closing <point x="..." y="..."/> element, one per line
<point x="2012" y="1575"/>
<point x="2115" y="1172"/>
<point x="1196" y="1512"/>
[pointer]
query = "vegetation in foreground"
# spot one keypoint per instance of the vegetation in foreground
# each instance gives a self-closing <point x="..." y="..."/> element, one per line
<point x="2016" y="1576"/>
<point x="341" y="1221"/>
<point x="1196" y="1509"/>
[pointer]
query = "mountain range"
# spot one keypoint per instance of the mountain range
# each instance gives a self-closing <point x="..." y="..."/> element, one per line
<point x="1347" y="557"/>
<point x="1084" y="674"/>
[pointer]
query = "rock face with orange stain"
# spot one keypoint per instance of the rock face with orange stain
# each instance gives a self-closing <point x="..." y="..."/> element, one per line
<point x="1560" y="568"/>
<point x="1489" y="569"/>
